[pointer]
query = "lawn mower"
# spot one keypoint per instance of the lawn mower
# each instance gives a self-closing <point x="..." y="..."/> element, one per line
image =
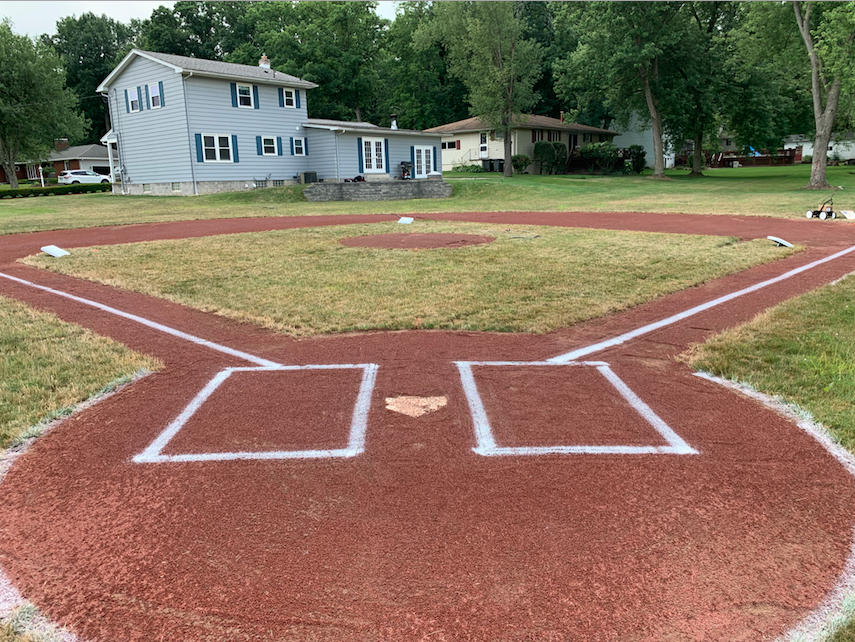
<point x="826" y="210"/>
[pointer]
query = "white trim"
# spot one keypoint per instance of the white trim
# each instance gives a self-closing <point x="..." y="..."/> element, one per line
<point x="105" y="84"/>
<point x="151" y="95"/>
<point x="131" y="100"/>
<point x="426" y="160"/>
<point x="302" y="140"/>
<point x="251" y="104"/>
<point x="217" y="148"/>
<point x="263" y="151"/>
<point x="293" y="104"/>
<point x="373" y="146"/>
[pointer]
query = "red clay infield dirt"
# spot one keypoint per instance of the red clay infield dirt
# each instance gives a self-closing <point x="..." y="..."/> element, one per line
<point x="418" y="537"/>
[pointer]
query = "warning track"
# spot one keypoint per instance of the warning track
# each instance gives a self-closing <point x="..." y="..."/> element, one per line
<point x="732" y="524"/>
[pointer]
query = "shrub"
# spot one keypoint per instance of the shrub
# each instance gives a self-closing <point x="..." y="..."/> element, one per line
<point x="807" y="158"/>
<point x="56" y="191"/>
<point x="544" y="156"/>
<point x="470" y="169"/>
<point x="520" y="162"/>
<point x="559" y="165"/>
<point x="637" y="158"/>
<point x="603" y="155"/>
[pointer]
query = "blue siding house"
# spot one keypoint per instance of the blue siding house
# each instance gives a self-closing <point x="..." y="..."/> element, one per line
<point x="190" y="126"/>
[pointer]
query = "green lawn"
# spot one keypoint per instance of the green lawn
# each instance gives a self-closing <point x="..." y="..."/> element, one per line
<point x="763" y="191"/>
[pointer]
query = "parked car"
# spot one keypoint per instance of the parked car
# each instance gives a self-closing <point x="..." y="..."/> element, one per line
<point x="72" y="176"/>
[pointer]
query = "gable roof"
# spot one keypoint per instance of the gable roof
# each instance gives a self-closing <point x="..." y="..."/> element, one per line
<point x="80" y="151"/>
<point x="210" y="68"/>
<point x="528" y="121"/>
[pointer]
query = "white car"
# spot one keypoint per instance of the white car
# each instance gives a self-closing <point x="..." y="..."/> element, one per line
<point x="73" y="176"/>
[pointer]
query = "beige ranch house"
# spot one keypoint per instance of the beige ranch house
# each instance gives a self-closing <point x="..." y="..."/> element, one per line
<point x="472" y="142"/>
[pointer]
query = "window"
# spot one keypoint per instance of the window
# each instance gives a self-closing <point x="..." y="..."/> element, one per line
<point x="134" y="99"/>
<point x="423" y="161"/>
<point x="587" y="138"/>
<point x="217" y="147"/>
<point x="146" y="188"/>
<point x="299" y="146"/>
<point x="261" y="183"/>
<point x="268" y="145"/>
<point x="65" y="164"/>
<point x="176" y="187"/>
<point x="373" y="157"/>
<point x="154" y="95"/>
<point x="278" y="183"/>
<point x="553" y="136"/>
<point x="536" y="135"/>
<point x="289" y="97"/>
<point x="244" y="95"/>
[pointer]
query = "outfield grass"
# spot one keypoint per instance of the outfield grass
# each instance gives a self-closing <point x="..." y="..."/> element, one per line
<point x="304" y="282"/>
<point x="48" y="366"/>
<point x="760" y="191"/>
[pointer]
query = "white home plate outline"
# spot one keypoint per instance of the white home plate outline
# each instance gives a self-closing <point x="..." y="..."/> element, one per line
<point x="355" y="442"/>
<point x="486" y="443"/>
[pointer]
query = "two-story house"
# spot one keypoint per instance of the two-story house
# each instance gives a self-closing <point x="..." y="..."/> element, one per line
<point x="185" y="125"/>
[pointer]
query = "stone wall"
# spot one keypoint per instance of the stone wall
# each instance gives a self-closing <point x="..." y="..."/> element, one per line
<point x="377" y="190"/>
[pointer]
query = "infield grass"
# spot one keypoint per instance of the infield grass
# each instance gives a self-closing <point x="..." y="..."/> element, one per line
<point x="304" y="282"/>
<point x="749" y="191"/>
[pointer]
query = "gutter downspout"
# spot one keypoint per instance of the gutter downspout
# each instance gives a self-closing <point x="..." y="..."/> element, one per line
<point x="119" y="149"/>
<point x="187" y="121"/>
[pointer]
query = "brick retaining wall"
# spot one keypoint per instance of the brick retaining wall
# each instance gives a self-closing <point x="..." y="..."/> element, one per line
<point x="377" y="190"/>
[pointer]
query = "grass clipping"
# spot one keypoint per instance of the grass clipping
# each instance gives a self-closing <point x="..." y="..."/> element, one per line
<point x="303" y="282"/>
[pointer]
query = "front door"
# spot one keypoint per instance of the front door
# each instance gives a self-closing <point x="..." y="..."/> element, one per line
<point x="483" y="146"/>
<point x="423" y="162"/>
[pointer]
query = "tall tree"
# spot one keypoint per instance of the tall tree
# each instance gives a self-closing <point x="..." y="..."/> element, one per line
<point x="35" y="105"/>
<point x="828" y="33"/>
<point x="489" y="52"/>
<point x="209" y="30"/>
<point x="90" y="46"/>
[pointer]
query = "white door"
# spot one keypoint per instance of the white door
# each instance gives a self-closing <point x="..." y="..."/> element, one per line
<point x="483" y="146"/>
<point x="423" y="162"/>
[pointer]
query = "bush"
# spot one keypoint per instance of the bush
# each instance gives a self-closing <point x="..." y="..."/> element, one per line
<point x="56" y="191"/>
<point x="544" y="156"/>
<point x="520" y="162"/>
<point x="559" y="165"/>
<point x="637" y="158"/>
<point x="807" y="158"/>
<point x="603" y="155"/>
<point x="469" y="169"/>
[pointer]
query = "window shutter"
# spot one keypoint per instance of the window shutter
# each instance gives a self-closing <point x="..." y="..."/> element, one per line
<point x="255" y="96"/>
<point x="139" y="96"/>
<point x="258" y="145"/>
<point x="306" y="146"/>
<point x="279" y="146"/>
<point x="162" y="99"/>
<point x="234" y="94"/>
<point x="386" y="153"/>
<point x="236" y="158"/>
<point x="434" y="159"/>
<point x="281" y="97"/>
<point x="359" y="155"/>
<point x="147" y="99"/>
<point x="533" y="136"/>
<point x="292" y="145"/>
<point x="413" y="159"/>
<point x="458" y="144"/>
<point x="200" y="157"/>
<point x="297" y="98"/>
<point x="127" y="102"/>
<point x="559" y="137"/>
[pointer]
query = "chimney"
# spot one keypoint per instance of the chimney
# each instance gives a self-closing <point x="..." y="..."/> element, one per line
<point x="264" y="62"/>
<point x="60" y="144"/>
<point x="394" y="121"/>
<point x="562" y="116"/>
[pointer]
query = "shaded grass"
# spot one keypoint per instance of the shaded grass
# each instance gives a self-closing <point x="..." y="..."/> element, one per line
<point x="750" y="191"/>
<point x="48" y="366"/>
<point x="304" y="282"/>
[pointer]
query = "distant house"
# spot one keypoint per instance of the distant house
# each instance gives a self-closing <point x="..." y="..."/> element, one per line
<point x="471" y="141"/>
<point x="841" y="147"/>
<point x="636" y="134"/>
<point x="23" y="171"/>
<point x="91" y="157"/>
<point x="190" y="126"/>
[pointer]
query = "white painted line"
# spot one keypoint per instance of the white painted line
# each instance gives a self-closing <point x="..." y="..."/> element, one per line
<point x="356" y="437"/>
<point x="485" y="442"/>
<point x="623" y="338"/>
<point x="151" y="324"/>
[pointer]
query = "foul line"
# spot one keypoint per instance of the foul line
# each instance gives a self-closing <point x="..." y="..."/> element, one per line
<point x="151" y="324"/>
<point x="623" y="338"/>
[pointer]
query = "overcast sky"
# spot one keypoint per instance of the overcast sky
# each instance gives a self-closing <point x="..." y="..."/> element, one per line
<point x="35" y="18"/>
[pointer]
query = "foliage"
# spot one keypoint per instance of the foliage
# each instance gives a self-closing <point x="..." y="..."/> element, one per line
<point x="82" y="188"/>
<point x="35" y="106"/>
<point x="559" y="164"/>
<point x="520" y="162"/>
<point x="544" y="156"/>
<point x="637" y="158"/>
<point x="469" y="169"/>
<point x="604" y="155"/>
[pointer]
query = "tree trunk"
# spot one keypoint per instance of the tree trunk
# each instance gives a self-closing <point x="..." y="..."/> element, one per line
<point x="509" y="165"/>
<point x="656" y="121"/>
<point x="698" y="156"/>
<point x="820" y="160"/>
<point x="9" y="168"/>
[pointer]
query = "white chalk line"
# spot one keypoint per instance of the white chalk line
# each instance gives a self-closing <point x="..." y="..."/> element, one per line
<point x="632" y="334"/>
<point x="356" y="437"/>
<point x="485" y="442"/>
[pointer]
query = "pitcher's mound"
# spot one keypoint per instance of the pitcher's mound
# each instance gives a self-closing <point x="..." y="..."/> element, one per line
<point x="416" y="241"/>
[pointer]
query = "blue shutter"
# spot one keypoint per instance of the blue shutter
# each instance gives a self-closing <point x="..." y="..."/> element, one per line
<point x="359" y="155"/>
<point x="292" y="145"/>
<point x="234" y="95"/>
<point x="258" y="145"/>
<point x="139" y="95"/>
<point x="434" y="159"/>
<point x="281" y="97"/>
<point x="235" y="149"/>
<point x="413" y="160"/>
<point x="127" y="102"/>
<point x="279" y="145"/>
<point x="386" y="153"/>
<point x="162" y="100"/>
<point x="255" y="97"/>
<point x="200" y="157"/>
<point x="305" y="146"/>
<point x="147" y="99"/>
<point x="297" y="97"/>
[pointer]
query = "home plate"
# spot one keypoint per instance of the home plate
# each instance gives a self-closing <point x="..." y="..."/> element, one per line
<point x="415" y="406"/>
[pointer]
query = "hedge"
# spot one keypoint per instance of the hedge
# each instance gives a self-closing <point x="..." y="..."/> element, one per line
<point x="58" y="190"/>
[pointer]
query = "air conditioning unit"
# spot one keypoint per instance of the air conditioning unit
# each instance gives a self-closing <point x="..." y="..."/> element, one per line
<point x="308" y="177"/>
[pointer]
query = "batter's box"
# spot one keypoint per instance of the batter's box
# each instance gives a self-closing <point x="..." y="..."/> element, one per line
<point x="277" y="412"/>
<point x="595" y="405"/>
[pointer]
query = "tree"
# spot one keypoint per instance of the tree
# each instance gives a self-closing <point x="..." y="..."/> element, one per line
<point x="829" y="44"/>
<point x="90" y="47"/>
<point x="209" y="30"/>
<point x="488" y="51"/>
<point x="35" y="106"/>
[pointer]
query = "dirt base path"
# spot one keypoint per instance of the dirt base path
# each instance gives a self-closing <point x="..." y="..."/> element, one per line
<point x="694" y="513"/>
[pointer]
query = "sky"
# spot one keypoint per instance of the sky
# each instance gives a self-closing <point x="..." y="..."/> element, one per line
<point x="35" y="18"/>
